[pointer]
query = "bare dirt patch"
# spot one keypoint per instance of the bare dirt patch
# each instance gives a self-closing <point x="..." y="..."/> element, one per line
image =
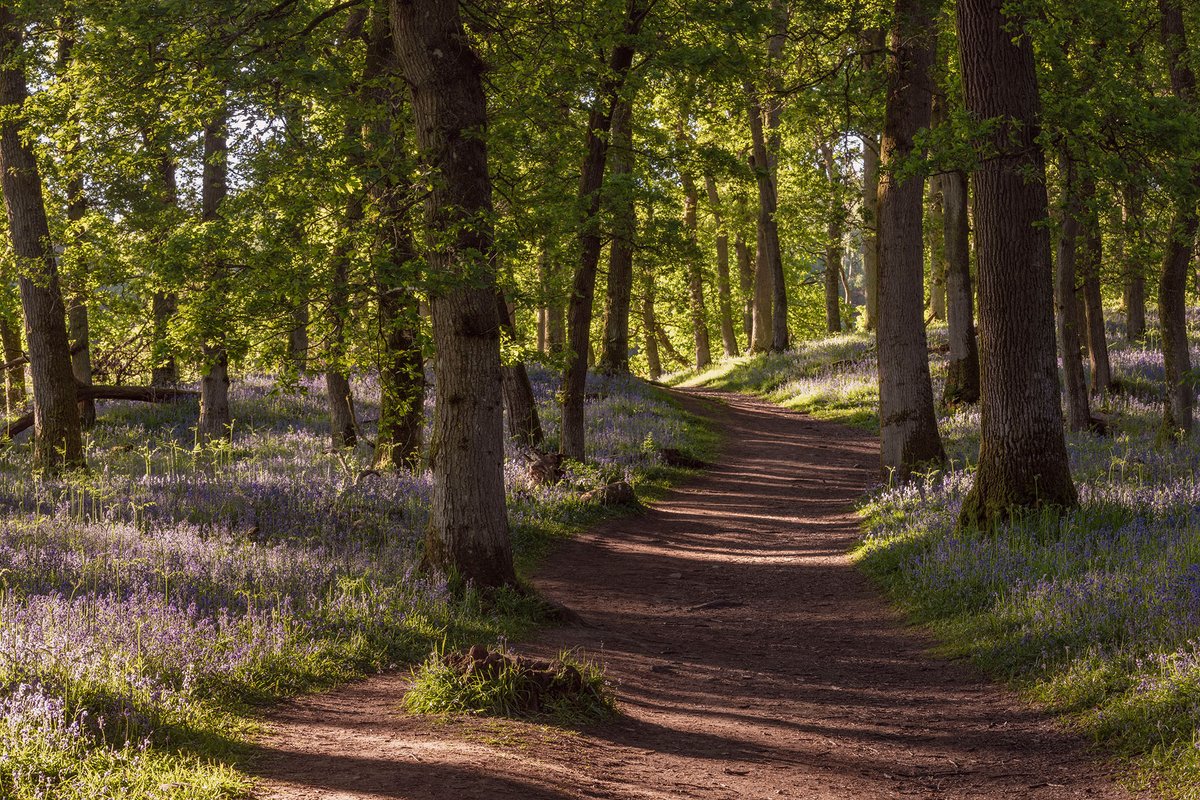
<point x="751" y="660"/>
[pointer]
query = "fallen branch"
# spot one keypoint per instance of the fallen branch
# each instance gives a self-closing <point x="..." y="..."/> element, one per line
<point x="142" y="394"/>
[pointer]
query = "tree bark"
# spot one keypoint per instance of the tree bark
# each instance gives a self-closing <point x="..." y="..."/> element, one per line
<point x="724" y="292"/>
<point x="870" y="237"/>
<point x="1022" y="454"/>
<point x="962" y="369"/>
<point x="468" y="533"/>
<point x="58" y="441"/>
<point x="145" y="394"/>
<point x="1069" y="323"/>
<point x="579" y="311"/>
<point x="401" y="361"/>
<point x="650" y="328"/>
<point x="834" y="233"/>
<point x="768" y="262"/>
<point x="1172" y="287"/>
<point x="908" y="425"/>
<point x="615" y="355"/>
<point x="1089" y="258"/>
<point x="938" y="267"/>
<point x="524" y="426"/>
<point x="164" y="370"/>
<point x="215" y="422"/>
<point x="695" y="274"/>
<point x="1134" y="295"/>
<point x="745" y="263"/>
<point x="14" y="373"/>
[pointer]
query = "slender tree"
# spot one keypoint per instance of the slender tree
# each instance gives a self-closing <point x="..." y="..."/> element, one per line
<point x="1070" y="326"/>
<point x="962" y="367"/>
<point x="908" y="425"/>
<point x="724" y="292"/>
<point x="614" y="357"/>
<point x="216" y="421"/>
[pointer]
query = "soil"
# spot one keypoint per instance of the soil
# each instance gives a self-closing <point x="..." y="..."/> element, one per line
<point x="751" y="661"/>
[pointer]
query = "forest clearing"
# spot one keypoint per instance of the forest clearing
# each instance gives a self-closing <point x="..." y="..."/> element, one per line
<point x="599" y="398"/>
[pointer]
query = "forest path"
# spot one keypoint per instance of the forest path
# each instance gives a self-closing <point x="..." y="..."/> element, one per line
<point x="751" y="659"/>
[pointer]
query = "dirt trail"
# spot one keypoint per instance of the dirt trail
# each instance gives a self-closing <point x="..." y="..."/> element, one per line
<point x="752" y="661"/>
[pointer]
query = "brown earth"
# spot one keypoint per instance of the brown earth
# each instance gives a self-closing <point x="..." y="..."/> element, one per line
<point x="751" y="661"/>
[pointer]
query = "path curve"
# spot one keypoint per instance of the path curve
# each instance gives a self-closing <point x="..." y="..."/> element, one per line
<point x="752" y="661"/>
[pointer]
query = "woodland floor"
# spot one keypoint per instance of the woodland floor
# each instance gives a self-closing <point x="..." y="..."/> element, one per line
<point x="751" y="661"/>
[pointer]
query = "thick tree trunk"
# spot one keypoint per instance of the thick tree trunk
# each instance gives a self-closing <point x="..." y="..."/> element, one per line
<point x="468" y="531"/>
<point x="1172" y="287"/>
<point x="401" y="362"/>
<point x="1134" y="295"/>
<point x="58" y="441"/>
<point x="962" y="369"/>
<point x="834" y="233"/>
<point x="579" y="310"/>
<point x="615" y="355"/>
<point x="1089" y="259"/>
<point x="163" y="369"/>
<point x="215" y="422"/>
<point x="695" y="274"/>
<point x="1022" y="454"/>
<point x="908" y="425"/>
<point x="745" y="263"/>
<point x="14" y="373"/>
<point x="1069" y="323"/>
<point x="724" y="292"/>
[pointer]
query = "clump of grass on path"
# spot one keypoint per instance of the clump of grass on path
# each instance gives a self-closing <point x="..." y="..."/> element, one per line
<point x="569" y="690"/>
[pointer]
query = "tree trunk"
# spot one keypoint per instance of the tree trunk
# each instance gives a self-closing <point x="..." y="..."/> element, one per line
<point x="962" y="370"/>
<point x="724" y="294"/>
<point x="556" y="327"/>
<point x="834" y="232"/>
<point x="870" y="233"/>
<point x="745" y="263"/>
<point x="215" y="422"/>
<point x="579" y="311"/>
<point x="1172" y="287"/>
<point x="401" y="362"/>
<point x="768" y="262"/>
<point x="1134" y="295"/>
<point x="524" y="426"/>
<point x="1022" y="453"/>
<point x="58" y="442"/>
<point x="938" y="268"/>
<point x="14" y="373"/>
<point x="908" y="425"/>
<point x="695" y="273"/>
<point x="650" y="327"/>
<point x="468" y="533"/>
<point x="164" y="305"/>
<point x="1069" y="323"/>
<point x="298" y="335"/>
<point x="615" y="356"/>
<point x="1089" y="260"/>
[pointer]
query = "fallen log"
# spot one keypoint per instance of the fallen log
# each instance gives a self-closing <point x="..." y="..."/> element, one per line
<point x="142" y="394"/>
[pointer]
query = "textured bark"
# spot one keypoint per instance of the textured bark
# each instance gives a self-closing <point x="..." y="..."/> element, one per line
<point x="724" y="293"/>
<point x="468" y="531"/>
<point x="1069" y="323"/>
<point x="1172" y="287"/>
<point x="745" y="264"/>
<point x="401" y="362"/>
<point x="650" y="328"/>
<point x="14" y="373"/>
<point x="1089" y="259"/>
<point x="524" y="426"/>
<point x="834" y="233"/>
<point x="768" y="261"/>
<point x="615" y="355"/>
<point x="773" y="118"/>
<point x="874" y="41"/>
<point x="58" y="442"/>
<point x="215" y="422"/>
<point x="695" y="274"/>
<point x="938" y="267"/>
<point x="1022" y="454"/>
<point x="555" y="311"/>
<point x="163" y="370"/>
<point x="77" y="309"/>
<point x="908" y="425"/>
<point x="962" y="369"/>
<point x="1134" y="295"/>
<point x="579" y="310"/>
